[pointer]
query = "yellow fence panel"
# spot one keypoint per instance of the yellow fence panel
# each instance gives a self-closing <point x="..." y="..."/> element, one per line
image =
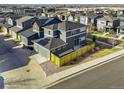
<point x="69" y="57"/>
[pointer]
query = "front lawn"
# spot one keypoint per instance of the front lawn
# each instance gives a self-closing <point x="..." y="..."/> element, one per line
<point x="101" y="53"/>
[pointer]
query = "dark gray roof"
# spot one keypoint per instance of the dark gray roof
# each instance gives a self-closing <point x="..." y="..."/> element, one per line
<point x="47" y="21"/>
<point x="65" y="25"/>
<point x="15" y="29"/>
<point x="63" y="52"/>
<point x="41" y="22"/>
<point x="27" y="33"/>
<point x="92" y="15"/>
<point x="25" y="18"/>
<point x="108" y="18"/>
<point x="50" y="42"/>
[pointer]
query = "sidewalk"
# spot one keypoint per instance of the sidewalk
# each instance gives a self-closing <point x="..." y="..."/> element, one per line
<point x="38" y="58"/>
<point x="74" y="70"/>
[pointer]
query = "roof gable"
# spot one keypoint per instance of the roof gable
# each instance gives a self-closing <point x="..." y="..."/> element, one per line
<point x="65" y="25"/>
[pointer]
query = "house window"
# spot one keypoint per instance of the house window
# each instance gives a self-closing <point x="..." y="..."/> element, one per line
<point x="82" y="38"/>
<point x="76" y="42"/>
<point x="73" y="32"/>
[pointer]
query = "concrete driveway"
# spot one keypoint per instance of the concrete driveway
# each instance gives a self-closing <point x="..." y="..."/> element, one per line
<point x="11" y="57"/>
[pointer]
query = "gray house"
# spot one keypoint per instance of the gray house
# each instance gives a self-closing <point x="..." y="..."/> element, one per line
<point x="37" y="30"/>
<point x="44" y="46"/>
<point x="22" y="24"/>
<point x="107" y="24"/>
<point x="61" y="35"/>
<point x="92" y="18"/>
<point x="120" y="28"/>
<point x="10" y="21"/>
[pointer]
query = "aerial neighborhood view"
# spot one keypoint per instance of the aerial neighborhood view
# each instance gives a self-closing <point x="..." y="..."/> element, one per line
<point x="61" y="46"/>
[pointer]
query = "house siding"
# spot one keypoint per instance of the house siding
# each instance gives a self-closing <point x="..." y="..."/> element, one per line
<point x="10" y="21"/>
<point x="101" y="25"/>
<point x="70" y="18"/>
<point x="51" y="33"/>
<point x="63" y="35"/>
<point x="71" y="42"/>
<point x="84" y="20"/>
<point x="35" y="27"/>
<point x="24" y="40"/>
<point x="42" y="51"/>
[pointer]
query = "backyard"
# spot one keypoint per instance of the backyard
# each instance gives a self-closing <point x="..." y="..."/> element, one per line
<point x="99" y="51"/>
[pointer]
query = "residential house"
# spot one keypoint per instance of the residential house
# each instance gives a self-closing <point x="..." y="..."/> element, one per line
<point x="2" y="21"/>
<point x="61" y="36"/>
<point x="30" y="12"/>
<point x="62" y="16"/>
<point x="70" y="18"/>
<point x="74" y="17"/>
<point x="107" y="24"/>
<point x="120" y="12"/>
<point x="120" y="28"/>
<point x="90" y="20"/>
<point x="22" y="24"/>
<point x="84" y="19"/>
<point x="10" y="22"/>
<point x="37" y="30"/>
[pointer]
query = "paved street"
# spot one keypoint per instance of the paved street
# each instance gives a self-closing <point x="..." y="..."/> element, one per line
<point x="110" y="75"/>
<point x="11" y="57"/>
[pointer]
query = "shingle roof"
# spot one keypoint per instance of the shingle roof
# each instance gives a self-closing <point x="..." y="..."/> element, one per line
<point x="50" y="43"/>
<point x="63" y="52"/>
<point x="108" y="18"/>
<point x="52" y="20"/>
<point x="92" y="15"/>
<point x="41" y="22"/>
<point x="25" y="18"/>
<point x="27" y="33"/>
<point x="15" y="29"/>
<point x="47" y="21"/>
<point x="65" y="25"/>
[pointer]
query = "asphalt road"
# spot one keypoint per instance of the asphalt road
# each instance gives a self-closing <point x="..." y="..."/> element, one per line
<point x="107" y="76"/>
<point x="11" y="58"/>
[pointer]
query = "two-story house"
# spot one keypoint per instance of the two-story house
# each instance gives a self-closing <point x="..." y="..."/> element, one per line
<point x="74" y="17"/>
<point x="22" y="24"/>
<point x="37" y="30"/>
<point x="120" y="28"/>
<point x="90" y="19"/>
<point x="9" y="22"/>
<point x="107" y="24"/>
<point x="61" y="36"/>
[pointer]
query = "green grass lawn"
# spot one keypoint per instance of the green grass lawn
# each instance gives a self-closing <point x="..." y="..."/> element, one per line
<point x="101" y="53"/>
<point x="98" y="32"/>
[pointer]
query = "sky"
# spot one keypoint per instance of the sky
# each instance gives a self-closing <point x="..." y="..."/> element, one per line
<point x="61" y="1"/>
